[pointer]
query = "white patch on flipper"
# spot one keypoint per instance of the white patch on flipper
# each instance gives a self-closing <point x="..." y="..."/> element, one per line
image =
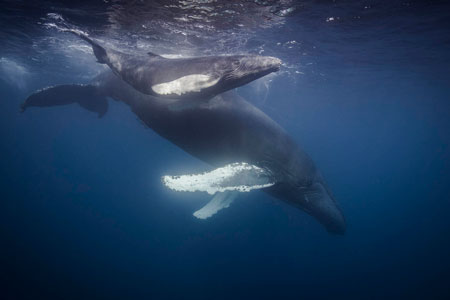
<point x="218" y="202"/>
<point x="185" y="84"/>
<point x="241" y="177"/>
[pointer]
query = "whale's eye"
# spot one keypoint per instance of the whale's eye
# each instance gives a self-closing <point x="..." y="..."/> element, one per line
<point x="235" y="63"/>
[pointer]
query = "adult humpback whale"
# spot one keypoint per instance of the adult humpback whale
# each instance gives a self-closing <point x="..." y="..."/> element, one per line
<point x="182" y="78"/>
<point x="221" y="131"/>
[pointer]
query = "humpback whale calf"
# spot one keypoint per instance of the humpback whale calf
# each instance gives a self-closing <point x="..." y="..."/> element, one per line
<point x="248" y="149"/>
<point x="182" y="78"/>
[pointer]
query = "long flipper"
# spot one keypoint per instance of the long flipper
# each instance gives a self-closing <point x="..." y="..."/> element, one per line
<point x="218" y="202"/>
<point x="225" y="183"/>
<point x="241" y="177"/>
<point x="86" y="96"/>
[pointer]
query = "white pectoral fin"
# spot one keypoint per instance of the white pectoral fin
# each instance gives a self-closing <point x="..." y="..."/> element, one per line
<point x="186" y="84"/>
<point x="241" y="177"/>
<point x="218" y="202"/>
<point x="224" y="183"/>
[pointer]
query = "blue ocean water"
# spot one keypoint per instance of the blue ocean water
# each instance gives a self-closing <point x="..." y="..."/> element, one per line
<point x="364" y="89"/>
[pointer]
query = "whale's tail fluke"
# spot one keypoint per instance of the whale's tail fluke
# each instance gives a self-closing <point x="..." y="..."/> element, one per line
<point x="87" y="96"/>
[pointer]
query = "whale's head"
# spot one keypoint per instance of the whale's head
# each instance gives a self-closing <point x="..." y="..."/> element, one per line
<point x="202" y="77"/>
<point x="314" y="198"/>
<point x="317" y="200"/>
<point x="238" y="70"/>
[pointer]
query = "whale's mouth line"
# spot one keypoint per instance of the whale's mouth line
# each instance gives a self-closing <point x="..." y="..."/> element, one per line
<point x="274" y="69"/>
<point x="248" y="73"/>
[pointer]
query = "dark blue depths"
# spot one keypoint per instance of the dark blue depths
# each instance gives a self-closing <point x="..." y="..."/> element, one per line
<point x="83" y="213"/>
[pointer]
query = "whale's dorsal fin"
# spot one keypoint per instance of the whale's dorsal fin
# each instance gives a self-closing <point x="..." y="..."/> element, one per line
<point x="154" y="55"/>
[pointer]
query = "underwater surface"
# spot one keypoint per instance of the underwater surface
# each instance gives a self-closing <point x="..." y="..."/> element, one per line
<point x="364" y="89"/>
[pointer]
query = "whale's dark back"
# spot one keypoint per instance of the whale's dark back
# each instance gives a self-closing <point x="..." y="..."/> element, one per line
<point x="228" y="129"/>
<point x="223" y="130"/>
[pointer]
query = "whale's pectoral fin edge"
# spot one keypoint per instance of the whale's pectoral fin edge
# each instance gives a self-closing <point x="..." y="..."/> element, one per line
<point x="86" y="96"/>
<point x="154" y="55"/>
<point x="240" y="177"/>
<point x="224" y="183"/>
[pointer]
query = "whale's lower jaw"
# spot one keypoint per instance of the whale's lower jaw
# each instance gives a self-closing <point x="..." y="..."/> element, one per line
<point x="315" y="201"/>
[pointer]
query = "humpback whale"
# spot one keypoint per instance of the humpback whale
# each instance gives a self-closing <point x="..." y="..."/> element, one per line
<point x="248" y="149"/>
<point x="182" y="78"/>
